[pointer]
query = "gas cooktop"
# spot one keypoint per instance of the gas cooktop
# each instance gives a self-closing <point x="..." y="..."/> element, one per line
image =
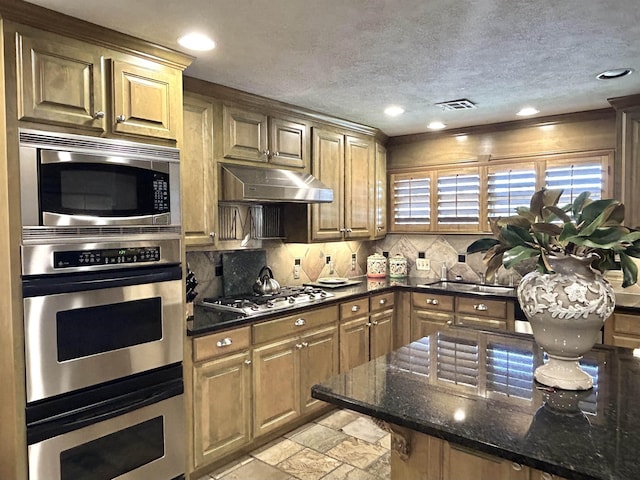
<point x="253" y="304"/>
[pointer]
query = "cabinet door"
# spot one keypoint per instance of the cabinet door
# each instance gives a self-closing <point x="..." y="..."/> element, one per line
<point x="288" y="143"/>
<point x="426" y="322"/>
<point x="623" y="330"/>
<point x="221" y="407"/>
<point x="381" y="334"/>
<point x="328" y="166"/>
<point x="354" y="343"/>
<point x="146" y="101"/>
<point x="197" y="171"/>
<point x="460" y="463"/>
<point x="319" y="360"/>
<point x="276" y="385"/>
<point x="380" y="193"/>
<point x="60" y="81"/>
<point x="358" y="191"/>
<point x="244" y="134"/>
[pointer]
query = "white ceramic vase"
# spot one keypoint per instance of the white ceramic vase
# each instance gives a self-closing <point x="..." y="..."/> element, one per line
<point x="566" y="310"/>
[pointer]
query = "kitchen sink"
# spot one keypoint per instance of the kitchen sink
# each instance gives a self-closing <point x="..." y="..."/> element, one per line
<point x="471" y="287"/>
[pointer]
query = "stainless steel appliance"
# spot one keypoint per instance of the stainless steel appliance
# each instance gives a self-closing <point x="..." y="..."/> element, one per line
<point x="71" y="182"/>
<point x="251" y="304"/>
<point x="103" y="349"/>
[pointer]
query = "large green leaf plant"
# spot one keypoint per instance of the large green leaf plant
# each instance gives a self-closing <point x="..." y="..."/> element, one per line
<point x="585" y="228"/>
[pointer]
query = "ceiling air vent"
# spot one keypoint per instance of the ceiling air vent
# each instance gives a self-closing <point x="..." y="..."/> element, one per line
<point x="461" y="104"/>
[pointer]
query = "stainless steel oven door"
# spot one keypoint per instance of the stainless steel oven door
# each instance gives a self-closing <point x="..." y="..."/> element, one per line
<point x="147" y="443"/>
<point x="80" y="339"/>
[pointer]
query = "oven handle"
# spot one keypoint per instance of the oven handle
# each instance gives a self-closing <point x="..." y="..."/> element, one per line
<point x="54" y="426"/>
<point x="39" y="285"/>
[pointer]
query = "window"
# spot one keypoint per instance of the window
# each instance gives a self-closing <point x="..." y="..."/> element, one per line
<point x="509" y="188"/>
<point x="576" y="177"/>
<point x="510" y="371"/>
<point x="459" y="198"/>
<point x="411" y="201"/>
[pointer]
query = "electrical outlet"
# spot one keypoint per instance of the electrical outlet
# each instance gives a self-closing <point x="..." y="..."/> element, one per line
<point x="423" y="264"/>
<point x="327" y="259"/>
<point x="297" y="263"/>
<point x="353" y="261"/>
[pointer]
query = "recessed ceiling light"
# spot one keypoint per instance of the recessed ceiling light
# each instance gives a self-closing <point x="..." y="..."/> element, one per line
<point x="197" y="41"/>
<point x="394" y="111"/>
<point x="526" y="111"/>
<point x="436" y="126"/>
<point x="615" y="73"/>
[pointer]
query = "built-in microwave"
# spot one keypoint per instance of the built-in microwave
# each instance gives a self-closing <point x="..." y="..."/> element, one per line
<point x="70" y="182"/>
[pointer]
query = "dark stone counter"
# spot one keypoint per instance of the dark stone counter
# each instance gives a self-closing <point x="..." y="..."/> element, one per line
<point x="476" y="389"/>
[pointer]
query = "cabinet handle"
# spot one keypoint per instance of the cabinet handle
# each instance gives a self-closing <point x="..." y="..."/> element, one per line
<point x="276" y="154"/>
<point x="247" y="362"/>
<point x="98" y="115"/>
<point x="120" y="119"/>
<point x="432" y="301"/>
<point x="355" y="308"/>
<point x="375" y="322"/>
<point x="300" y="322"/>
<point x="212" y="235"/>
<point x="481" y="307"/>
<point x="449" y="323"/>
<point x="299" y="346"/>
<point x="342" y="230"/>
<point x="383" y="301"/>
<point x="225" y="342"/>
<point x="368" y="324"/>
<point x="516" y="466"/>
<point x="349" y="230"/>
<point x="305" y="344"/>
<point x="265" y="152"/>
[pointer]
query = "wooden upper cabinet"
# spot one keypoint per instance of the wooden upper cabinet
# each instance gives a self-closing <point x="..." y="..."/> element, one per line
<point x="256" y="137"/>
<point x="60" y="81"/>
<point x="358" y="192"/>
<point x="198" y="173"/>
<point x="380" y="193"/>
<point x="145" y="100"/>
<point x="328" y="167"/>
<point x="63" y="81"/>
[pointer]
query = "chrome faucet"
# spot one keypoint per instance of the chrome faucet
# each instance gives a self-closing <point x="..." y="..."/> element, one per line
<point x="482" y="278"/>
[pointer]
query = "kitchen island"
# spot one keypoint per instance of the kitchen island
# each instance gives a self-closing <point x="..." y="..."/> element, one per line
<point x="462" y="404"/>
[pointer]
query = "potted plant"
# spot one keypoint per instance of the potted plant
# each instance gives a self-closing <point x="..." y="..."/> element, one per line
<point x="565" y="250"/>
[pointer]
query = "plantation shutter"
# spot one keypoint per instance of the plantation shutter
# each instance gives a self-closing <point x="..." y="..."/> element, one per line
<point x="577" y="176"/>
<point x="411" y="202"/>
<point x="459" y="198"/>
<point x="509" y="188"/>
<point x="457" y="360"/>
<point x="510" y="371"/>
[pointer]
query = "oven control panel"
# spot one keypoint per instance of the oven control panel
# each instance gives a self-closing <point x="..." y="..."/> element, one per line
<point x="107" y="256"/>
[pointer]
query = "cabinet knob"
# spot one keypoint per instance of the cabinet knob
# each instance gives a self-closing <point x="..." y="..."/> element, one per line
<point x="342" y="230"/>
<point x="355" y="308"/>
<point x="212" y="235"/>
<point x="481" y="307"/>
<point x="380" y="229"/>
<point x="265" y="152"/>
<point x="98" y="115"/>
<point x="516" y="466"/>
<point x="449" y="323"/>
<point x="299" y="346"/>
<point x="383" y="301"/>
<point x="368" y="324"/>
<point x="120" y="119"/>
<point x="432" y="301"/>
<point x="349" y="230"/>
<point x="247" y="362"/>
<point x="300" y="322"/>
<point x="305" y="344"/>
<point x="375" y="322"/>
<point x="276" y="154"/>
<point x="225" y="342"/>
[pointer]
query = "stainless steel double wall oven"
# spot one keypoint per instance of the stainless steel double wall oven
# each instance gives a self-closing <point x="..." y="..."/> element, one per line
<point x="102" y="289"/>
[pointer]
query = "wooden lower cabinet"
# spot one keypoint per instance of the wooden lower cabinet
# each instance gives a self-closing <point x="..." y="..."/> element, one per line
<point x="319" y="360"/>
<point x="426" y="322"/>
<point x="381" y="334"/>
<point x="354" y="343"/>
<point x="623" y="330"/>
<point x="430" y="458"/>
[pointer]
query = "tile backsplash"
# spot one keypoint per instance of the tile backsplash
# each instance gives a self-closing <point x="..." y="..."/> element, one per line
<point x="438" y="249"/>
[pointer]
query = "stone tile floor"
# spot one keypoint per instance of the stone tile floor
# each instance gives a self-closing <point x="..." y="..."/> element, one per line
<point x="341" y="445"/>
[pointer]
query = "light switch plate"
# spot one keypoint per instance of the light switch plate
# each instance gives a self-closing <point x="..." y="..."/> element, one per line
<point x="423" y="264"/>
<point x="297" y="263"/>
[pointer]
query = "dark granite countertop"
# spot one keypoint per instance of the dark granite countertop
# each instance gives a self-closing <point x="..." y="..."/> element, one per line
<point x="476" y="389"/>
<point x="208" y="321"/>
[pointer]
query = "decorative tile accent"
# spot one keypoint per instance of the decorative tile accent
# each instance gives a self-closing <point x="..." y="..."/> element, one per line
<point x="357" y="452"/>
<point x="277" y="451"/>
<point x="307" y="465"/>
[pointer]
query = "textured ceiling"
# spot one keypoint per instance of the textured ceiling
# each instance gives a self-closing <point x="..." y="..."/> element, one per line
<point x="352" y="58"/>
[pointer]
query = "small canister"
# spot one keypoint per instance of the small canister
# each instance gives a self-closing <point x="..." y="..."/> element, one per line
<point x="397" y="266"/>
<point x="376" y="266"/>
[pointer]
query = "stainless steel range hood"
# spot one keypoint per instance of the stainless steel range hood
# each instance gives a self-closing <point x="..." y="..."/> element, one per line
<point x="264" y="185"/>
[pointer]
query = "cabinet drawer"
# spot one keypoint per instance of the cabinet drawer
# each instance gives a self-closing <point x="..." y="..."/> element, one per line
<point x="381" y="301"/>
<point x="292" y="324"/>
<point x="355" y="308"/>
<point x="482" y="307"/>
<point x="223" y="343"/>
<point x="480" y="322"/>
<point x="432" y="301"/>
<point x="626" y="323"/>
